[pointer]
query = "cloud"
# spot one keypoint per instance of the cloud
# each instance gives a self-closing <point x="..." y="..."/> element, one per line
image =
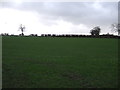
<point x="82" y="12"/>
<point x="63" y="17"/>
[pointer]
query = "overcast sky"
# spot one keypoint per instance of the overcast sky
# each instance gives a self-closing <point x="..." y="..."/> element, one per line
<point x="57" y="17"/>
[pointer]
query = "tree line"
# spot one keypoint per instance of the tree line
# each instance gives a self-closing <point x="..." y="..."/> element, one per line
<point x="65" y="35"/>
<point x="95" y="32"/>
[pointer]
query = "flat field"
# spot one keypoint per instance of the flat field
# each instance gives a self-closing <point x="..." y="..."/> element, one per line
<point x="59" y="62"/>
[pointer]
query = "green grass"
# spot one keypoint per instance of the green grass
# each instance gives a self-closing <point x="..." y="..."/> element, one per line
<point x="44" y="62"/>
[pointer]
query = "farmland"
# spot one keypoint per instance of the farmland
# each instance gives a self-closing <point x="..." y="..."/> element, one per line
<point x="59" y="62"/>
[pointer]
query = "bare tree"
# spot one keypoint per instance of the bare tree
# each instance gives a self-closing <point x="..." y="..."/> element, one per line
<point x="22" y="29"/>
<point x="116" y="28"/>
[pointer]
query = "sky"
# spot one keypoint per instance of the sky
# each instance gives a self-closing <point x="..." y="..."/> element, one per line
<point x="57" y="17"/>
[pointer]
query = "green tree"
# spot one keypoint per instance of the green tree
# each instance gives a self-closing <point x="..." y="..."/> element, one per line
<point x="95" y="31"/>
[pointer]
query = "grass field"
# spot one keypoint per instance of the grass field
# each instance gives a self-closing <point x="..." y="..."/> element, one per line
<point x="44" y="62"/>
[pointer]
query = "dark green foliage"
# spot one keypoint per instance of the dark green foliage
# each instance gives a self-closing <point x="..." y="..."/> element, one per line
<point x="95" y="31"/>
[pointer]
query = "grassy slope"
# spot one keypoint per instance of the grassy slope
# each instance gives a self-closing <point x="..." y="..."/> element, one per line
<point x="59" y="62"/>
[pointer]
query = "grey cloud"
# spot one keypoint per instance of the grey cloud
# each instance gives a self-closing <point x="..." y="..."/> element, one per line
<point x="74" y="12"/>
<point x="80" y="12"/>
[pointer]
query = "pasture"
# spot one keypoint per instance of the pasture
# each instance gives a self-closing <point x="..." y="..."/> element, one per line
<point x="59" y="62"/>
